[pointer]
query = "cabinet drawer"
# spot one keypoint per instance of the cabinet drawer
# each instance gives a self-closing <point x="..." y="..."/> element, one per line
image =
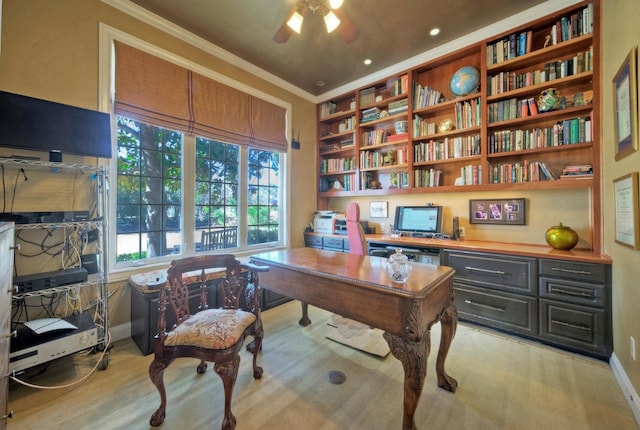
<point x="510" y="312"/>
<point x="574" y="326"/>
<point x="332" y="243"/>
<point x="312" y="241"/>
<point x="514" y="274"/>
<point x="581" y="293"/>
<point x="589" y="272"/>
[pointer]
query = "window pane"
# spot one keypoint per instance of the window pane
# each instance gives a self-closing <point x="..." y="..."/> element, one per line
<point x="149" y="198"/>
<point x="216" y="212"/>
<point x="263" y="197"/>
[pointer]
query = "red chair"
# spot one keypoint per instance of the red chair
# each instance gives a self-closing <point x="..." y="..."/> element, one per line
<point x="355" y="233"/>
<point x="214" y="335"/>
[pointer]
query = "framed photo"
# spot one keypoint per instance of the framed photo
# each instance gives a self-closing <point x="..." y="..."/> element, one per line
<point x="626" y="201"/>
<point x="378" y="209"/>
<point x="491" y="211"/>
<point x="625" y="104"/>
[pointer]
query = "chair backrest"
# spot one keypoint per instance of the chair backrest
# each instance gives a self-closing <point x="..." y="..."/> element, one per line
<point x="235" y="282"/>
<point x="219" y="239"/>
<point x="355" y="232"/>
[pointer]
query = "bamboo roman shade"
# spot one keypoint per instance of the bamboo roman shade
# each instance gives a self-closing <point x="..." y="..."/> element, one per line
<point x="161" y="93"/>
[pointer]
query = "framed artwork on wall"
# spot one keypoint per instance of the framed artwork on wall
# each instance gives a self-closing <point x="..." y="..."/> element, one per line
<point x="626" y="204"/>
<point x="625" y="102"/>
<point x="497" y="211"/>
<point x="378" y="209"/>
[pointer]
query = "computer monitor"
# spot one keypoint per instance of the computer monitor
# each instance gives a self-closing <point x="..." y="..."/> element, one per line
<point x="419" y="220"/>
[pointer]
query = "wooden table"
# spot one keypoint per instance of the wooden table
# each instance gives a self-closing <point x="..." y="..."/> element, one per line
<point x="358" y="287"/>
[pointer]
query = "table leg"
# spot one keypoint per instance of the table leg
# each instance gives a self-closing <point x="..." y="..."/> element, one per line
<point x="449" y="322"/>
<point x="304" y="321"/>
<point x="413" y="356"/>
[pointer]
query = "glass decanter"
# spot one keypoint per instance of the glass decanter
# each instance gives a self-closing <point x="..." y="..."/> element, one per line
<point x="399" y="267"/>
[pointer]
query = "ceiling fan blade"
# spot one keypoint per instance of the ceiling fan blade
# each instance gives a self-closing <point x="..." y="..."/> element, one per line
<point x="284" y="32"/>
<point x="347" y="30"/>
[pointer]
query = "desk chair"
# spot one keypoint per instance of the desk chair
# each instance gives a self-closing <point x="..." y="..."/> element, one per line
<point x="355" y="233"/>
<point x="214" y="335"/>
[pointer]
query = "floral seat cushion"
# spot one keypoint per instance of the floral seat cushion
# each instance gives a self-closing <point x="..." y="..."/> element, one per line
<point x="211" y="329"/>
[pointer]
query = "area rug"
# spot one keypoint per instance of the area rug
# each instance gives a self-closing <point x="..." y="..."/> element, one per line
<point x="357" y="335"/>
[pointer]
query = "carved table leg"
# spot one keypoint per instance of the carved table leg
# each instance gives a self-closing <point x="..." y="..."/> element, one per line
<point x="413" y="356"/>
<point x="449" y="322"/>
<point x="304" y="321"/>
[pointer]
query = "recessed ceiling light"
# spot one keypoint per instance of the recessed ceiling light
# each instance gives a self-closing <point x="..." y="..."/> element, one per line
<point x="367" y="61"/>
<point x="434" y="31"/>
<point x="320" y="83"/>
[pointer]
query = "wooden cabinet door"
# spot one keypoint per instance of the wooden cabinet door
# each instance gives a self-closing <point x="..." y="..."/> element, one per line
<point x="6" y="272"/>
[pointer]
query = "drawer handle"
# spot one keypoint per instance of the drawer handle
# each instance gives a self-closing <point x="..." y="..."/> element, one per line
<point x="571" y="293"/>
<point x="477" y="269"/>
<point x="566" y="324"/>
<point x="481" y="305"/>
<point x="575" y="272"/>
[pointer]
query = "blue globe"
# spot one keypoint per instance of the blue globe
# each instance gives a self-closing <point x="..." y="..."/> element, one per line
<point x="465" y="81"/>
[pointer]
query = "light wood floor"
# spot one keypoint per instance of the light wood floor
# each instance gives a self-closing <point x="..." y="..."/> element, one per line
<point x="504" y="383"/>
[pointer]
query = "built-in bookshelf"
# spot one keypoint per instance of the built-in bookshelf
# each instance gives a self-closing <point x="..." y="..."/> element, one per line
<point x="494" y="138"/>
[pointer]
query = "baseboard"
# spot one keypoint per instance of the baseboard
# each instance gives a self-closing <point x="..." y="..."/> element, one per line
<point x="120" y="332"/>
<point x="627" y="389"/>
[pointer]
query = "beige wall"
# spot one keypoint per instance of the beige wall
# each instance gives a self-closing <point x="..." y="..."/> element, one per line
<point x="621" y="33"/>
<point x="50" y="51"/>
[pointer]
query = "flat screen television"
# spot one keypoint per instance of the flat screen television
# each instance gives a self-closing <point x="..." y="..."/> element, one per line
<point x="40" y="125"/>
<point x="419" y="220"/>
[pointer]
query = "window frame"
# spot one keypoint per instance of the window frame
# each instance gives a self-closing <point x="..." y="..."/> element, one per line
<point x="106" y="82"/>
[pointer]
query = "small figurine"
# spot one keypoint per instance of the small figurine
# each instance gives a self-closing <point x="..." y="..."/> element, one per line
<point x="548" y="100"/>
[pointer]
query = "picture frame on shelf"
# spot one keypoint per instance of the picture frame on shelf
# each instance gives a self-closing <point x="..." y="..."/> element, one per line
<point x="626" y="204"/>
<point x="378" y="209"/>
<point x="625" y="102"/>
<point x="497" y="211"/>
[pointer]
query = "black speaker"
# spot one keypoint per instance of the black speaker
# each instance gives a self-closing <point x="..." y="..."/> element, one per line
<point x="55" y="156"/>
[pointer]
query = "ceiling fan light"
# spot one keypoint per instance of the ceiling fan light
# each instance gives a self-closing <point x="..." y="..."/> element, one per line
<point x="331" y="21"/>
<point x="335" y="4"/>
<point x="295" y="22"/>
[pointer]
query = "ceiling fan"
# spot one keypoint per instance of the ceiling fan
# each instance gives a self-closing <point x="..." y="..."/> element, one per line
<point x="334" y="19"/>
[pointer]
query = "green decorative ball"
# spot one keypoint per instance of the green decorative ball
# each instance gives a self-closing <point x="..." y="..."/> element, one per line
<point x="561" y="237"/>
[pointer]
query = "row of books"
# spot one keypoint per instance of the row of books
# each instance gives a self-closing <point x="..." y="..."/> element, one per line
<point x="525" y="171"/>
<point x="374" y="137"/>
<point x="577" y="171"/>
<point x="370" y="114"/>
<point x="427" y="178"/>
<point x="398" y="106"/>
<point x="327" y="108"/>
<point x="507" y="81"/>
<point x="398" y="85"/>
<point x="425" y="96"/>
<point x="507" y="48"/>
<point x="575" y="25"/>
<point x="566" y="132"/>
<point x="458" y="147"/>
<point x="367" y="96"/>
<point x="517" y="44"/>
<point x="399" y="180"/>
<point x="470" y="175"/>
<point x="373" y="159"/>
<point x="346" y="181"/>
<point x="333" y="165"/>
<point x="422" y="127"/>
<point x="467" y="114"/>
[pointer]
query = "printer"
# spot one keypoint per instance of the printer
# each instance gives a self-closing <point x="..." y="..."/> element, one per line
<point x="324" y="221"/>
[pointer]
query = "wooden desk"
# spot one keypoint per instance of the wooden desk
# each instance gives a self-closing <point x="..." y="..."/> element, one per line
<point x="358" y="287"/>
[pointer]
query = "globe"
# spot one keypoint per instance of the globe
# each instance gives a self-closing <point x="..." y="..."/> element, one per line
<point x="465" y="81"/>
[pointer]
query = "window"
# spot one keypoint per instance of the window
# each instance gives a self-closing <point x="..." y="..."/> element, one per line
<point x="199" y="165"/>
<point x="151" y="192"/>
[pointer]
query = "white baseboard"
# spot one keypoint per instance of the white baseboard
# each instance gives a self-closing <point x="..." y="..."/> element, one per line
<point x="627" y="389"/>
<point x="120" y="332"/>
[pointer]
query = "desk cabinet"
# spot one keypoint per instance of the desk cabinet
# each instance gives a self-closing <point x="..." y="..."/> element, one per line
<point x="563" y="303"/>
<point x="330" y="243"/>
